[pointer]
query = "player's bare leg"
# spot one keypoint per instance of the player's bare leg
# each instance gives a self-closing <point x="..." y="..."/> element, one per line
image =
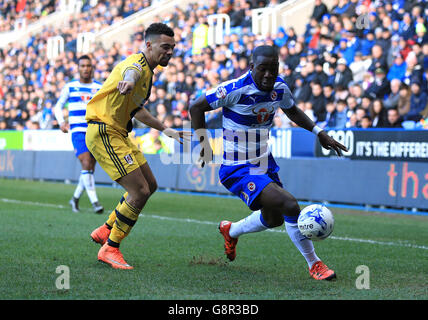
<point x="150" y="178"/>
<point x="274" y="200"/>
<point x="140" y="184"/>
<point x="102" y="233"/>
<point x="279" y="203"/>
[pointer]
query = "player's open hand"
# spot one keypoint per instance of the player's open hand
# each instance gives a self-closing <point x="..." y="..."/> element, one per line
<point x="329" y="143"/>
<point x="180" y="136"/>
<point x="125" y="87"/>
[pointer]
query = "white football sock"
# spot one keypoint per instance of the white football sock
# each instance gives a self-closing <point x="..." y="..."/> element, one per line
<point x="79" y="189"/>
<point x="305" y="246"/>
<point x="252" y="223"/>
<point x="89" y="183"/>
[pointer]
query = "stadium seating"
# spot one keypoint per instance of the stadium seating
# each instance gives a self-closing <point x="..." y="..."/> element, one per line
<point x="354" y="48"/>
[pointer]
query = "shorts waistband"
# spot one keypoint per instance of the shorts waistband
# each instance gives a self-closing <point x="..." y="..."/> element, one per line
<point x="99" y="122"/>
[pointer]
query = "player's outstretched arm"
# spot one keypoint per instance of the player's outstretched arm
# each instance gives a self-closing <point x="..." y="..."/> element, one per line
<point x="130" y="78"/>
<point x="198" y="108"/>
<point x="302" y="120"/>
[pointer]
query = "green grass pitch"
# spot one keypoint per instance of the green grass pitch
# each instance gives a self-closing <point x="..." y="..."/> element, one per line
<point x="177" y="251"/>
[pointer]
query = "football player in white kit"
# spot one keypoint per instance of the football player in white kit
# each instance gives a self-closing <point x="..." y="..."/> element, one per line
<point x="77" y="94"/>
<point x="248" y="169"/>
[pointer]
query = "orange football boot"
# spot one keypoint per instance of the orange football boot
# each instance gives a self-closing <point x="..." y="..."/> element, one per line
<point x="101" y="234"/>
<point x="113" y="257"/>
<point x="229" y="242"/>
<point x="320" y="271"/>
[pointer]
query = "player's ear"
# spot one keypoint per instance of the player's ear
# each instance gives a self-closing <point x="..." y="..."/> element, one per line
<point x="251" y="66"/>
<point x="148" y="44"/>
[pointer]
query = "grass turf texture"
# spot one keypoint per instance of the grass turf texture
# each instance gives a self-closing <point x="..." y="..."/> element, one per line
<point x="177" y="251"/>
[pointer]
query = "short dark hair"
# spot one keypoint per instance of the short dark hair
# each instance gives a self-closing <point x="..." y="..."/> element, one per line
<point x="156" y="29"/>
<point x="265" y="51"/>
<point x="84" y="57"/>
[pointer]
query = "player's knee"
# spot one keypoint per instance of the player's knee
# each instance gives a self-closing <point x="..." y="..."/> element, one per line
<point x="273" y="218"/>
<point x="142" y="194"/>
<point x="290" y="207"/>
<point x="145" y="193"/>
<point x="86" y="165"/>
<point x="153" y="186"/>
<point x="276" y="221"/>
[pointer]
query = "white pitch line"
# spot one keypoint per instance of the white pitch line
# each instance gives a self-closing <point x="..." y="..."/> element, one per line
<point x="31" y="203"/>
<point x="390" y="243"/>
<point x="187" y="220"/>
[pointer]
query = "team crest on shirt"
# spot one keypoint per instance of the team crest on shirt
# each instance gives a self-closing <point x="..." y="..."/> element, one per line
<point x="262" y="113"/>
<point x="128" y="159"/>
<point x="251" y="186"/>
<point x="85" y="97"/>
<point x="273" y="95"/>
<point x="221" y="92"/>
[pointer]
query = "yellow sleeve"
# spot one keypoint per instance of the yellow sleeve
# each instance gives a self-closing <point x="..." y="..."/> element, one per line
<point x="135" y="62"/>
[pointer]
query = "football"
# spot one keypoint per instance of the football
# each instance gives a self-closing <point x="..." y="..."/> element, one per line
<point x="316" y="222"/>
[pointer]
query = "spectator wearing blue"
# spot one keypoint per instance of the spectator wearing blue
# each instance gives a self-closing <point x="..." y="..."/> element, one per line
<point x="329" y="120"/>
<point x="398" y="69"/>
<point x="418" y="102"/>
<point x="281" y="39"/>
<point x="406" y="29"/>
<point x="341" y="7"/>
<point x="367" y="43"/>
<point x="340" y="116"/>
<point x="345" y="51"/>
<point x="310" y="30"/>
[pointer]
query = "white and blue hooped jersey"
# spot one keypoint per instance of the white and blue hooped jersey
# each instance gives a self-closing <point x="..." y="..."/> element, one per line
<point x="247" y="116"/>
<point x="77" y="95"/>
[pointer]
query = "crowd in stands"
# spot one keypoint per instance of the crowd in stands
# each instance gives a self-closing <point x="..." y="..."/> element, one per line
<point x="344" y="71"/>
<point x="360" y="64"/>
<point x="16" y="13"/>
